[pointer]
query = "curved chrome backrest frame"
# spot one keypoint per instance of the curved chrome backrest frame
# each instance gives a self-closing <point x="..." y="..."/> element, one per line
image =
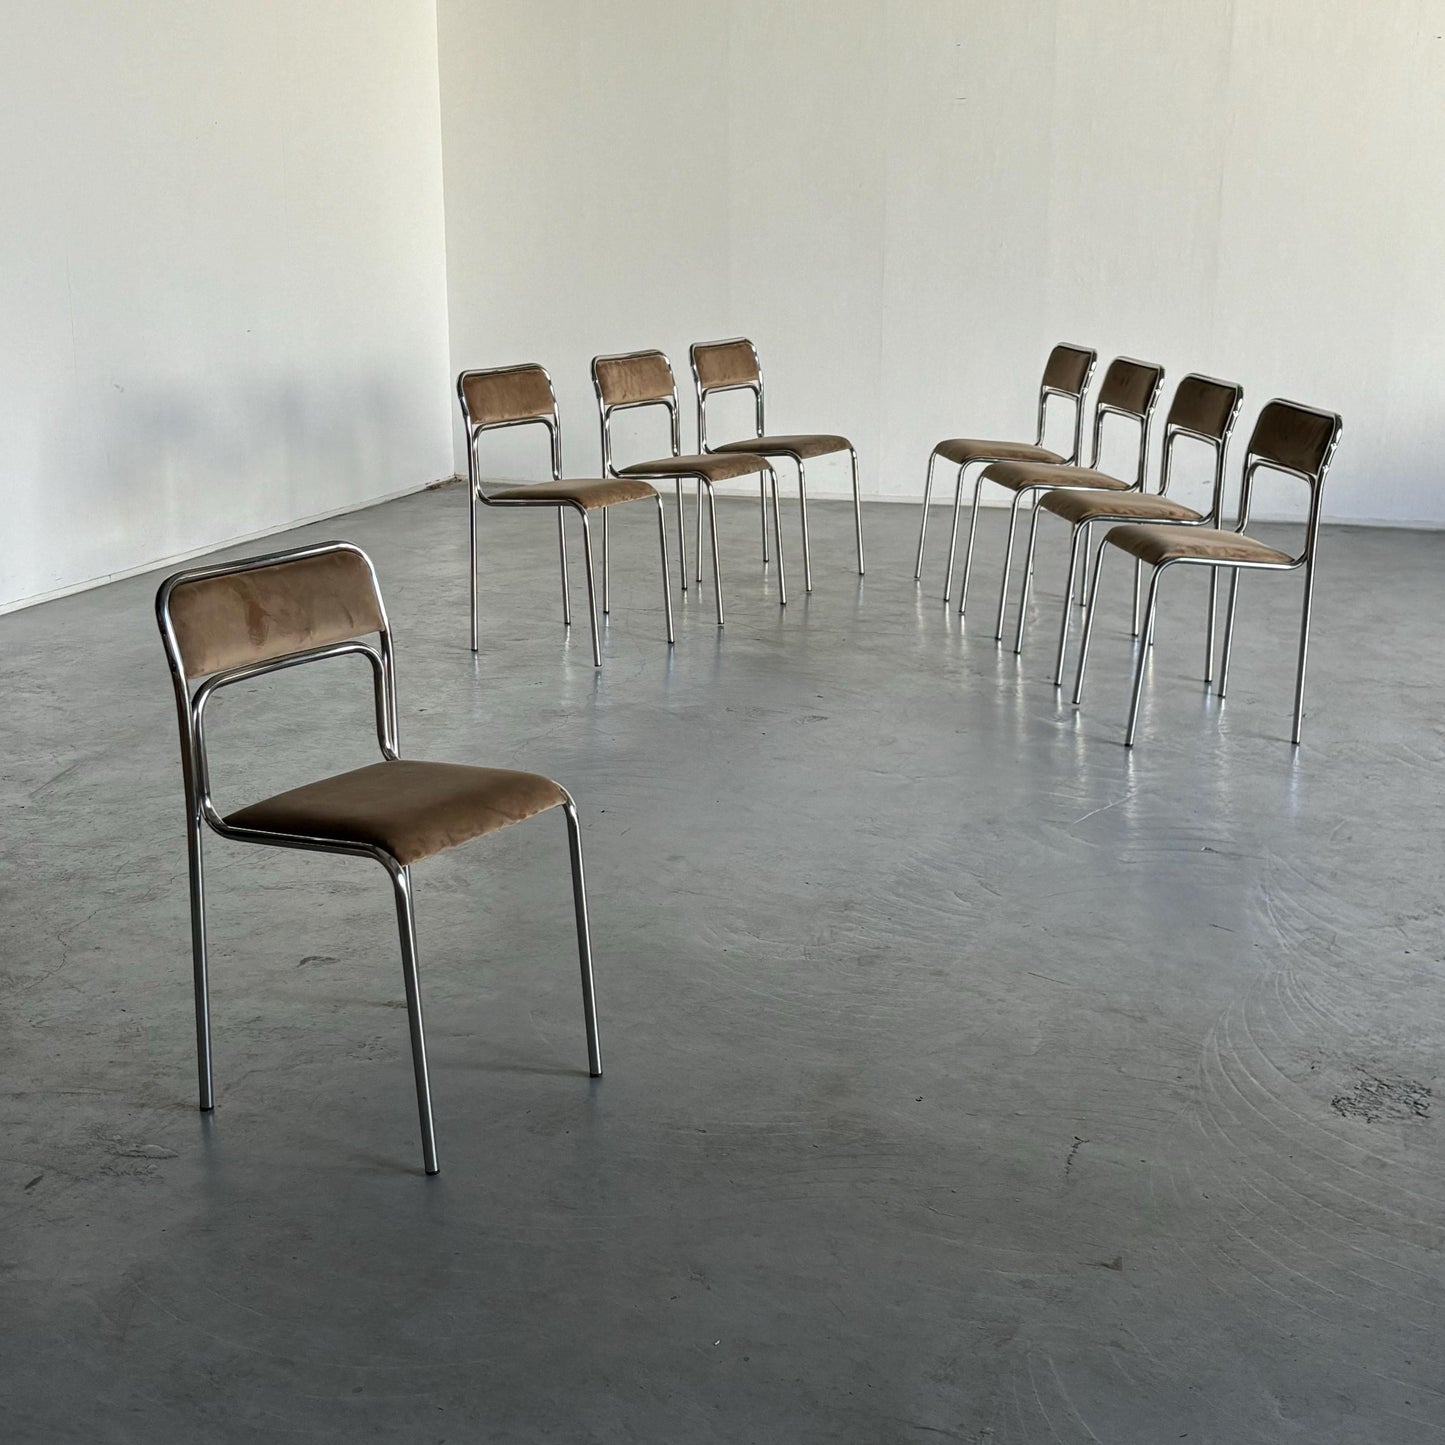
<point x="474" y="429"/>
<point x="1075" y="398"/>
<point x="1219" y="445"/>
<point x="1255" y="461"/>
<point x="703" y="392"/>
<point x="1144" y="419"/>
<point x="191" y="707"/>
<point x="605" y="409"/>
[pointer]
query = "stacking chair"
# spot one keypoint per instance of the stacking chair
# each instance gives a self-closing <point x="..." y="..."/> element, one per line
<point x="1130" y="390"/>
<point x="1296" y="440"/>
<point x="1203" y="410"/>
<point x="1066" y="376"/>
<point x="733" y="365"/>
<point x="644" y="378"/>
<point x="508" y="396"/>
<point x="237" y="621"/>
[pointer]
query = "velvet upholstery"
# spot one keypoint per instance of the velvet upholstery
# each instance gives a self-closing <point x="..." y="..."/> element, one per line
<point x="819" y="445"/>
<point x="268" y="612"/>
<point x="1016" y="476"/>
<point x="964" y="450"/>
<point x="1167" y="544"/>
<point x="725" y="363"/>
<point x="589" y="493"/>
<point x="1130" y="386"/>
<point x="1293" y="437"/>
<point x="1067" y="369"/>
<point x="406" y="808"/>
<point x="715" y="466"/>
<point x="638" y="377"/>
<point x="1203" y="405"/>
<point x="1076" y="506"/>
<point x="513" y="393"/>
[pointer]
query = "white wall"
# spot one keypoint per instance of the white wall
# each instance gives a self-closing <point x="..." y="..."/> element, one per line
<point x="222" y="274"/>
<point x="904" y="202"/>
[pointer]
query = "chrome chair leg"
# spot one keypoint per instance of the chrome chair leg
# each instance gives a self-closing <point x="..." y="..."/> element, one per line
<point x="1134" y="614"/>
<point x="1304" y="644"/>
<point x="666" y="579"/>
<point x="681" y="536"/>
<point x="1075" y="544"/>
<point x="1028" y="580"/>
<point x="591" y="590"/>
<point x="1228" y="630"/>
<point x="953" y="534"/>
<point x="1089" y="610"/>
<point x="968" y="550"/>
<point x="562" y="554"/>
<point x="606" y="569"/>
<point x="1210" y="639"/>
<point x="763" y="512"/>
<point x="778" y="539"/>
<point x="406" y="923"/>
<point x="858" y="512"/>
<point x="584" y="940"/>
<point x="199" y="964"/>
<point x="1008" y="554"/>
<point x="1142" y="658"/>
<point x="472" y="498"/>
<point x="698" y="530"/>
<point x="716" y="564"/>
<point x="803" y="512"/>
<point x="923" y="525"/>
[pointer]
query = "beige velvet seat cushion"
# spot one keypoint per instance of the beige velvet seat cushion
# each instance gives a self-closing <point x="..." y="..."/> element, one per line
<point x="1076" y="506"/>
<point x="1018" y="475"/>
<point x="715" y="466"/>
<point x="820" y="445"/>
<point x="964" y="450"/>
<point x="1171" y="544"/>
<point x="409" y="809"/>
<point x="585" y="492"/>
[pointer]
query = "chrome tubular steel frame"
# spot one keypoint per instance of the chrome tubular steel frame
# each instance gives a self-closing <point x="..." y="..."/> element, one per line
<point x="476" y="496"/>
<point x="1253" y="464"/>
<point x="1079" y="538"/>
<point x="1074" y="399"/>
<point x="766" y="475"/>
<point x="1102" y="409"/>
<point x="201" y="813"/>
<point x="756" y="387"/>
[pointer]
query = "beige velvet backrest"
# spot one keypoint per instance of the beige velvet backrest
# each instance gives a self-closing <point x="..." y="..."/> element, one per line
<point x="722" y="364"/>
<point x="1297" y="438"/>
<point x="1204" y="406"/>
<point x="501" y="395"/>
<point x="1130" y="386"/>
<point x="253" y="614"/>
<point x="638" y="377"/>
<point x="1067" y="369"/>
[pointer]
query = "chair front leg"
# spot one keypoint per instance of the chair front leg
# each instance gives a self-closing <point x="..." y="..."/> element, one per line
<point x="591" y="589"/>
<point x="681" y="536"/>
<point x="1028" y="579"/>
<point x="472" y="555"/>
<point x="1008" y="552"/>
<point x="1304" y="644"/>
<point x="923" y="525"/>
<point x="699" y="529"/>
<point x="562" y="554"/>
<point x="1209" y="636"/>
<point x="763" y="512"/>
<point x="968" y="550"/>
<point x="778" y="538"/>
<point x="858" y="513"/>
<point x="666" y="578"/>
<point x="199" y="962"/>
<point x="716" y="563"/>
<point x="406" y="924"/>
<point x="1228" y="630"/>
<point x="803" y="512"/>
<point x="1076" y="543"/>
<point x="1143" y="657"/>
<point x="584" y="940"/>
<point x="1089" y="609"/>
<point x="606" y="569"/>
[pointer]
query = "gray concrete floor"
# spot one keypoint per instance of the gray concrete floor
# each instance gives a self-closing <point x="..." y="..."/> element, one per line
<point x="968" y="1077"/>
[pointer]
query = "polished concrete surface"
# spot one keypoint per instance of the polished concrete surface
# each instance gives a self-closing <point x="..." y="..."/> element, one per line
<point x="967" y="1076"/>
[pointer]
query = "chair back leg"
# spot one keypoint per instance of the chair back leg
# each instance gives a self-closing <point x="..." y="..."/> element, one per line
<point x="584" y="940"/>
<point x="199" y="965"/>
<point x="858" y="510"/>
<point x="406" y="925"/>
<point x="923" y="525"/>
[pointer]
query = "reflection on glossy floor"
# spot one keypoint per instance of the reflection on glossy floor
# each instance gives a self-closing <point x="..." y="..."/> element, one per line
<point x="968" y="1077"/>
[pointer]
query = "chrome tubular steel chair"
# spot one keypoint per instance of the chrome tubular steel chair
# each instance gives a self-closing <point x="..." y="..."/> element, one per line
<point x="237" y="621"/>
<point x="733" y="365"/>
<point x="508" y="396"/>
<point x="1202" y="410"/>
<point x="1296" y="440"/>
<point x="1066" y="376"/>
<point x="1130" y="390"/>
<point x="644" y="378"/>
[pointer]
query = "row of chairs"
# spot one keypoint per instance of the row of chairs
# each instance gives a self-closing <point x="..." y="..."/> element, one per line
<point x="511" y="396"/>
<point x="1153" y="527"/>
